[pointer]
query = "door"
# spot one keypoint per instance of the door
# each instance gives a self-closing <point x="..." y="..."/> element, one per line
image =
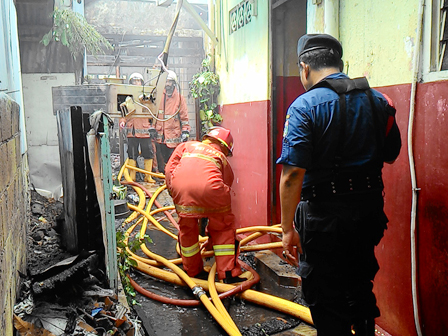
<point x="288" y="22"/>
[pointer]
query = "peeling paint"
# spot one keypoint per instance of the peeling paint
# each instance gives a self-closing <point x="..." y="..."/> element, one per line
<point x="376" y="41"/>
<point x="409" y="45"/>
<point x="441" y="109"/>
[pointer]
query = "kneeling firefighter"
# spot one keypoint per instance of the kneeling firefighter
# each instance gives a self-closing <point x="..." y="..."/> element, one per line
<point x="199" y="178"/>
<point x="139" y="132"/>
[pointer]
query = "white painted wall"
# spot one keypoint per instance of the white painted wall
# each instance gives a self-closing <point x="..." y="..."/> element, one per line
<point x="41" y="127"/>
<point x="10" y="80"/>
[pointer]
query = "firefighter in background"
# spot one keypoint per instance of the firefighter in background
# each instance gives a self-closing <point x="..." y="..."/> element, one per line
<point x="138" y="133"/>
<point x="172" y="121"/>
<point x="199" y="178"/>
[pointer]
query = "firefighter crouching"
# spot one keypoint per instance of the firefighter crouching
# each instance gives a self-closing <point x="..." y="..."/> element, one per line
<point x="172" y="121"/>
<point x="199" y="179"/>
<point x="138" y="133"/>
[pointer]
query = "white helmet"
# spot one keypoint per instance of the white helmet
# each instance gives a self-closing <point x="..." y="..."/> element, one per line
<point x="172" y="76"/>
<point x="136" y="75"/>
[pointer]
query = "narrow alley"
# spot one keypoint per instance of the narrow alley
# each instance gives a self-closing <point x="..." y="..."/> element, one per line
<point x="223" y="167"/>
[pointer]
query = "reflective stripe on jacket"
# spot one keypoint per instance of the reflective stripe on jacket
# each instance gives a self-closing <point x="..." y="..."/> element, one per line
<point x="137" y="127"/>
<point x="199" y="178"/>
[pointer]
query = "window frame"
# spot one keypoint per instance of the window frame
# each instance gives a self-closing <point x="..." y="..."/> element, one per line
<point x="431" y="43"/>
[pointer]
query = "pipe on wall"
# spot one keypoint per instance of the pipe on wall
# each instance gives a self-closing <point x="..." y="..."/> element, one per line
<point x="211" y="25"/>
<point x="331" y="18"/>
<point x="415" y="189"/>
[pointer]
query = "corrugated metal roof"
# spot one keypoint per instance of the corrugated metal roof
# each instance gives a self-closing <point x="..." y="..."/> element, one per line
<point x="34" y="21"/>
<point x="34" y="17"/>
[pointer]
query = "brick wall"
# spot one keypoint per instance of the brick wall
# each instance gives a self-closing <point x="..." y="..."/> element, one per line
<point x="14" y="201"/>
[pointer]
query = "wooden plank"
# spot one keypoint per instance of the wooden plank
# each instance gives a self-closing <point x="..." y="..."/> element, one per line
<point x="69" y="233"/>
<point x="145" y="60"/>
<point x="79" y="169"/>
<point x="93" y="213"/>
<point x="110" y="235"/>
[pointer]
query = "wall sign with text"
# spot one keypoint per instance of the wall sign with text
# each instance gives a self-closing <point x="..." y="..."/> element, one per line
<point x="242" y="14"/>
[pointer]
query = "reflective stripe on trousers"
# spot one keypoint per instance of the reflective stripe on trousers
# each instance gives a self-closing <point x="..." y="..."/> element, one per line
<point x="190" y="250"/>
<point x="224" y="250"/>
<point x="189" y="242"/>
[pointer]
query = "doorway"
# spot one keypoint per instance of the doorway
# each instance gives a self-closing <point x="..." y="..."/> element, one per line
<point x="288" y="23"/>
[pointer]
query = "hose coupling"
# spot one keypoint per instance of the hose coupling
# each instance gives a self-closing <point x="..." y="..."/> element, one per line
<point x="198" y="291"/>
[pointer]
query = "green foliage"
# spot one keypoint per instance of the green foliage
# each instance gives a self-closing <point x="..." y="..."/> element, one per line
<point x="125" y="263"/>
<point x="205" y="87"/>
<point x="74" y="32"/>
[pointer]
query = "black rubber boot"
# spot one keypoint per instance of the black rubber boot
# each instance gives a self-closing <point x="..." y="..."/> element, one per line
<point x="364" y="327"/>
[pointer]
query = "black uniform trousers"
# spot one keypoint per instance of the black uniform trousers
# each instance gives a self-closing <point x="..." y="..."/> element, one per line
<point x="163" y="155"/>
<point x="145" y="148"/>
<point x="338" y="263"/>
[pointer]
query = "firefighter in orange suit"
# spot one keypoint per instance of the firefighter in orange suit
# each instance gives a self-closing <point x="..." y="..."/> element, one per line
<point x="138" y="133"/>
<point x="199" y="179"/>
<point x="172" y="125"/>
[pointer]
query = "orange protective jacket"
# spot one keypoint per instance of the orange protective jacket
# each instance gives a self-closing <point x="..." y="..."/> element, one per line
<point x="199" y="178"/>
<point x="137" y="127"/>
<point x="169" y="132"/>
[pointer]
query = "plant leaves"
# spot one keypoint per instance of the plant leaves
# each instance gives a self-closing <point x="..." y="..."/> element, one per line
<point x="64" y="38"/>
<point x="203" y="115"/>
<point x="46" y="39"/>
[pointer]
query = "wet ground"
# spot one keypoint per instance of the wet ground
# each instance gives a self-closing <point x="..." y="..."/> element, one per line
<point x="173" y="320"/>
<point x="158" y="318"/>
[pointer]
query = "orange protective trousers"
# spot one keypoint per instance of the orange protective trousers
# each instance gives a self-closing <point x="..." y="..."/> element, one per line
<point x="221" y="231"/>
<point x="199" y="178"/>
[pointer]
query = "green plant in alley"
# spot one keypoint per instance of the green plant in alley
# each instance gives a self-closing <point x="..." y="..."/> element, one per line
<point x="125" y="262"/>
<point x="205" y="87"/>
<point x="74" y="32"/>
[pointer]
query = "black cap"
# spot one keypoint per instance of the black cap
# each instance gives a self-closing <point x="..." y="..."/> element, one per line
<point x="311" y="42"/>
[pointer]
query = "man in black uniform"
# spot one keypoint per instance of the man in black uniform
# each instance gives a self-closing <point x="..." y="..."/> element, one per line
<point x="337" y="136"/>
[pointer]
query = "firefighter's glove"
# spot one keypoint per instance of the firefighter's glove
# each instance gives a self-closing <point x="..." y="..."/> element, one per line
<point x="185" y="136"/>
<point x="153" y="133"/>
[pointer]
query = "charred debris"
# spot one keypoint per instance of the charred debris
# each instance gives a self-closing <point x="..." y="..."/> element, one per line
<point x="64" y="294"/>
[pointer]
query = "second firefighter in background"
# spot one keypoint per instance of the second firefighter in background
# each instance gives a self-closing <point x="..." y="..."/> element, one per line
<point x="138" y="133"/>
<point x="199" y="179"/>
<point x="171" y="123"/>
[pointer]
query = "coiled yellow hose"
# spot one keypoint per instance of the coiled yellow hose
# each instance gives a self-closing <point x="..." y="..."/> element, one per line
<point x="216" y="308"/>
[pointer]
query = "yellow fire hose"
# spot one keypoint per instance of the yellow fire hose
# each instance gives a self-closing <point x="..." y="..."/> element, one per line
<point x="216" y="300"/>
<point x="197" y="290"/>
<point x="141" y="195"/>
<point x="250" y="295"/>
<point x="179" y="277"/>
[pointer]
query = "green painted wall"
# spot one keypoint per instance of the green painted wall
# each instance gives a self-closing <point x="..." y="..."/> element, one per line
<point x="315" y="15"/>
<point x="243" y="57"/>
<point x="378" y="38"/>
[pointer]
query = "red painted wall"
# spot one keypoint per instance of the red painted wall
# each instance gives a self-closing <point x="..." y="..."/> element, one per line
<point x="252" y="164"/>
<point x="249" y="124"/>
<point x="287" y="90"/>
<point x="431" y="156"/>
<point x="393" y="282"/>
